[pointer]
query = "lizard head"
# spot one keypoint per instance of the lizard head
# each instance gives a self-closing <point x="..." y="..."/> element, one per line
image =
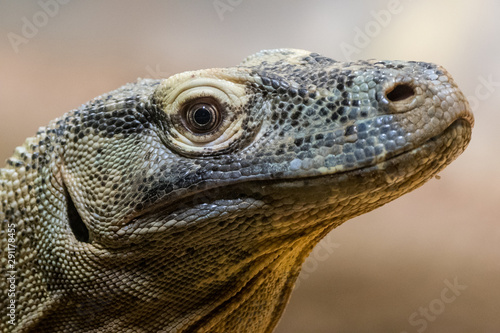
<point x="284" y="120"/>
<point x="211" y="187"/>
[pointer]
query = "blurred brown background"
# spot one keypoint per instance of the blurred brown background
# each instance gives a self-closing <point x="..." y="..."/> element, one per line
<point x="388" y="271"/>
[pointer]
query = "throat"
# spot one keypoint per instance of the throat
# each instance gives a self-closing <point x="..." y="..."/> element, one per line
<point x="265" y="288"/>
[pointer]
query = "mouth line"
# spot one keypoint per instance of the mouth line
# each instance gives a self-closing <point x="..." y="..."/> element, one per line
<point x="464" y="121"/>
<point x="298" y="181"/>
<point x="461" y="121"/>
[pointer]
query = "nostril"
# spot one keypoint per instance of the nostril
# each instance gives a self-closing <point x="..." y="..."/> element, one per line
<point x="400" y="92"/>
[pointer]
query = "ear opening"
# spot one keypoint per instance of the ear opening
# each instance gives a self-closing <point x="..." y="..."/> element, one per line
<point x="76" y="224"/>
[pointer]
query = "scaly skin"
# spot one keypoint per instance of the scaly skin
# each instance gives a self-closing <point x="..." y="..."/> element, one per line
<point x="188" y="204"/>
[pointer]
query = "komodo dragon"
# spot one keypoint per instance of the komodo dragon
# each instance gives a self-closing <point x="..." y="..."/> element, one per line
<point x="188" y="204"/>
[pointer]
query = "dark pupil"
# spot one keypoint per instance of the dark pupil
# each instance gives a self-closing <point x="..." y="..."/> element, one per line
<point x="202" y="116"/>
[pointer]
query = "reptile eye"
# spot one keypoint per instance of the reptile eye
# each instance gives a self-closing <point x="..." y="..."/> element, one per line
<point x="202" y="117"/>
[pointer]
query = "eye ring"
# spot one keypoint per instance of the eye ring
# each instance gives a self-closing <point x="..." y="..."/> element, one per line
<point x="202" y="116"/>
